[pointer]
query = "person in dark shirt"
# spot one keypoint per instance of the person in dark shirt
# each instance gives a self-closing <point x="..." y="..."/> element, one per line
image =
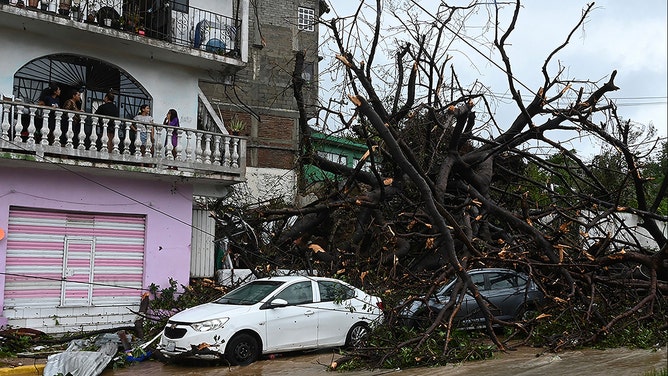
<point x="108" y="108"/>
<point x="51" y="96"/>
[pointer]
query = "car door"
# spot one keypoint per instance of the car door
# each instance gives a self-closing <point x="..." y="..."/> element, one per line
<point x="470" y="311"/>
<point x="293" y="326"/>
<point x="502" y="294"/>
<point x="335" y="313"/>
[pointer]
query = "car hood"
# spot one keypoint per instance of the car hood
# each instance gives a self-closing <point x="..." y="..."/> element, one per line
<point x="210" y="311"/>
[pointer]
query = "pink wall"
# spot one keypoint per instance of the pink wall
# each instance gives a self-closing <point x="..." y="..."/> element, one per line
<point x="166" y="204"/>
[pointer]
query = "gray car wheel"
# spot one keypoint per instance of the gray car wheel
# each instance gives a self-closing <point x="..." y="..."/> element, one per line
<point x="357" y="335"/>
<point x="526" y="313"/>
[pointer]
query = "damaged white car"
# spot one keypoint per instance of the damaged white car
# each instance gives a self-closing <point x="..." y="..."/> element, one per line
<point x="271" y="315"/>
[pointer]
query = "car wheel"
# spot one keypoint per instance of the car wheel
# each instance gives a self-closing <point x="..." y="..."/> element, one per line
<point x="526" y="313"/>
<point x="357" y="335"/>
<point x="243" y="349"/>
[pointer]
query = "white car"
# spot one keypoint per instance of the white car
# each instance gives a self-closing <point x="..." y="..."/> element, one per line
<point x="271" y="315"/>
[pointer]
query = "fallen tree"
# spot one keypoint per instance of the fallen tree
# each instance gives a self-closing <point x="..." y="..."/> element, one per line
<point x="444" y="188"/>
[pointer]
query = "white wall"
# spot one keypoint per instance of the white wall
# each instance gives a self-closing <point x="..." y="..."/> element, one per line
<point x="265" y="184"/>
<point x="172" y="86"/>
<point x="612" y="227"/>
<point x="216" y="6"/>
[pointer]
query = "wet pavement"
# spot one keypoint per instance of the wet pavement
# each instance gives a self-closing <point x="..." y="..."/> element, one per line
<point x="523" y="362"/>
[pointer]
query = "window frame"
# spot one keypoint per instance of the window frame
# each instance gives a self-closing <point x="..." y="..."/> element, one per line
<point x="306" y="19"/>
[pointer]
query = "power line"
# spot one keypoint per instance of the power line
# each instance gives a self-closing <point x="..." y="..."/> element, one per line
<point x="657" y="99"/>
<point x="79" y="282"/>
<point x="110" y="189"/>
<point x="123" y="195"/>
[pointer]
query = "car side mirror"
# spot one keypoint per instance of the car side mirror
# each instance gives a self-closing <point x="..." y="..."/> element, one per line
<point x="276" y="303"/>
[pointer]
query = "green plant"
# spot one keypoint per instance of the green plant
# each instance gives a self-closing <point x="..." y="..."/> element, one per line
<point x="137" y="352"/>
<point x="13" y="342"/>
<point x="237" y="125"/>
<point x="167" y="301"/>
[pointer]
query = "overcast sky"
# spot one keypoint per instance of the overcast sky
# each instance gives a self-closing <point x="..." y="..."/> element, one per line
<point x="618" y="35"/>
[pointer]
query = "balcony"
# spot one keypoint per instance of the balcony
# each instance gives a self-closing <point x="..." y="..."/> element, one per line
<point x="168" y="29"/>
<point x="37" y="134"/>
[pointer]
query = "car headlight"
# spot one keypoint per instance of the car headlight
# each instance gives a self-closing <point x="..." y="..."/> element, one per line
<point x="209" y="325"/>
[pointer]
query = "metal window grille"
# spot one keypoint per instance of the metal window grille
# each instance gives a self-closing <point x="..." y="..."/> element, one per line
<point x="306" y="19"/>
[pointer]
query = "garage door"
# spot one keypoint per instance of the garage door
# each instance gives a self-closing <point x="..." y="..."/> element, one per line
<point x="65" y="259"/>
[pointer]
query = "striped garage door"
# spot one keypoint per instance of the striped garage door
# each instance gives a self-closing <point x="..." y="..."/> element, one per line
<point x="61" y="259"/>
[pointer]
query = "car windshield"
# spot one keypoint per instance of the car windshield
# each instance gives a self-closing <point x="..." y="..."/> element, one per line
<point x="250" y="294"/>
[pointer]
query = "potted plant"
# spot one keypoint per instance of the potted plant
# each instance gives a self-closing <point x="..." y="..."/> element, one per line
<point x="90" y="18"/>
<point x="76" y="10"/>
<point x="236" y="125"/>
<point x="33" y="3"/>
<point x="131" y="19"/>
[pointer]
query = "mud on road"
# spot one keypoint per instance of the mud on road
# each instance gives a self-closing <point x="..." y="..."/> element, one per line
<point x="523" y="362"/>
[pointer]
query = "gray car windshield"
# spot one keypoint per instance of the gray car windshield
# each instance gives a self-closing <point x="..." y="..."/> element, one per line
<point x="250" y="294"/>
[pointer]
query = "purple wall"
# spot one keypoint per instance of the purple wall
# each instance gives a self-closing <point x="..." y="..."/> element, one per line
<point x="166" y="205"/>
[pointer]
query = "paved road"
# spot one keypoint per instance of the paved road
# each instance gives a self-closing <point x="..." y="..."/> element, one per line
<point x="524" y="362"/>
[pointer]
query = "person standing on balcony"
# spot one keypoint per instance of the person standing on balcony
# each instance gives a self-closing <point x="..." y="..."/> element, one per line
<point x="108" y="108"/>
<point x="172" y="118"/>
<point x="72" y="104"/>
<point x="144" y="117"/>
<point x="51" y="96"/>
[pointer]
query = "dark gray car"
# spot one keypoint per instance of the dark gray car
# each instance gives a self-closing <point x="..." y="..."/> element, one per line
<point x="510" y="294"/>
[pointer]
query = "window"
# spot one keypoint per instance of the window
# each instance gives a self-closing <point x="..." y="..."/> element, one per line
<point x="365" y="167"/>
<point x="307" y="73"/>
<point x="334" y="292"/>
<point x="500" y="281"/>
<point x="478" y="280"/>
<point x="299" y="293"/>
<point x="306" y="19"/>
<point x="333" y="157"/>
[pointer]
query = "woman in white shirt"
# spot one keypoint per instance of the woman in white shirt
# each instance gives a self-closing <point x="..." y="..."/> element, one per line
<point x="143" y="117"/>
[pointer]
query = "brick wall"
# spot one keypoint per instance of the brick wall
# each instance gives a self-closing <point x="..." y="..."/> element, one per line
<point x="272" y="139"/>
<point x="271" y="158"/>
<point x="277" y="129"/>
<point x="266" y="80"/>
<point x="265" y="84"/>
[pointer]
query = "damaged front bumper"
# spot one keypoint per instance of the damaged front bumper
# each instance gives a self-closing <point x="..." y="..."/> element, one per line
<point x="202" y="351"/>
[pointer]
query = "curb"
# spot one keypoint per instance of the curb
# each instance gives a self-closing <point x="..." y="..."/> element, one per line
<point x="37" y="369"/>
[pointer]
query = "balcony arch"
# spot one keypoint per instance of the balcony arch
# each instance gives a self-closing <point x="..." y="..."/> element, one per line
<point x="74" y="72"/>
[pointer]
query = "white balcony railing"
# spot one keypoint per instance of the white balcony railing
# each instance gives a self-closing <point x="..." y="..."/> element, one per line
<point x="78" y="136"/>
<point x="180" y="24"/>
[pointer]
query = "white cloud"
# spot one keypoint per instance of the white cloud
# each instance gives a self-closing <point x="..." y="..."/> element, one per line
<point x="617" y="35"/>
